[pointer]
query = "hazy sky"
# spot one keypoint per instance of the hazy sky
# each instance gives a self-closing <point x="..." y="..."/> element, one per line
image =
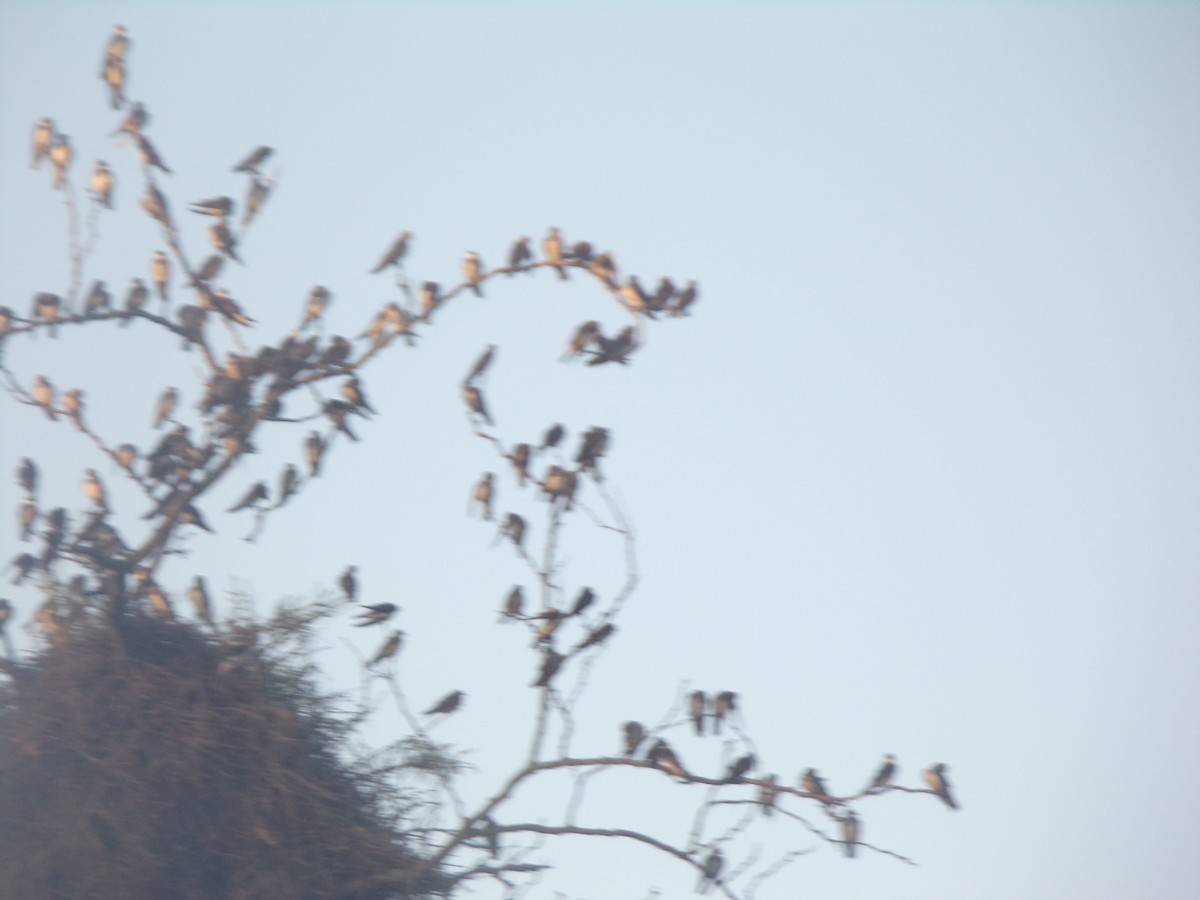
<point x="920" y="475"/>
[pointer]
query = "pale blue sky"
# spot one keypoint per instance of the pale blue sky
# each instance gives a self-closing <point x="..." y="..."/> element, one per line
<point x="919" y="476"/>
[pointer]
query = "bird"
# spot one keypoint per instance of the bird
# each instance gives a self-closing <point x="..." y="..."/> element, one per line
<point x="93" y="489"/>
<point x="597" y="636"/>
<point x="635" y="298"/>
<point x="615" y="349"/>
<point x="513" y="528"/>
<point x="520" y="462"/>
<point x="935" y="777"/>
<point x="885" y="773"/>
<point x="725" y="703"/>
<point x="352" y="390"/>
<point x="380" y="612"/>
<point x="473" y="271"/>
<point x="126" y="455"/>
<point x="483" y="493"/>
<point x="72" y="404"/>
<point x="252" y="497"/>
<point x="684" y="299"/>
<point x="811" y="782"/>
<point x="850" y="830"/>
<point x="198" y="596"/>
<point x="167" y="402"/>
<point x="214" y="206"/>
<point x="27" y="475"/>
<point x="633" y="733"/>
<point x="160" y="273"/>
<point x="430" y="298"/>
<point x="447" y="704"/>
<point x="221" y="302"/>
<point x="256" y="158"/>
<point x="256" y="196"/>
<point x="337" y="412"/>
<point x="288" y="481"/>
<point x="520" y="254"/>
<point x="552" y="661"/>
<point x="710" y="871"/>
<point x="585" y="599"/>
<point x="513" y="604"/>
<point x="155" y="204"/>
<point x="389" y="649"/>
<point x="663" y="757"/>
<point x="43" y="137"/>
<point x="696" y="706"/>
<point x="583" y="337"/>
<point x="592" y="446"/>
<point x="662" y="295"/>
<point x="136" y="119"/>
<point x="581" y="251"/>
<point x="118" y="44"/>
<point x="43" y="396"/>
<point x="135" y="299"/>
<point x="473" y="397"/>
<point x="98" y="298"/>
<point x="348" y="583"/>
<point x="60" y="155"/>
<point x="47" y="306"/>
<point x="768" y="791"/>
<point x="148" y="155"/>
<point x="739" y="768"/>
<point x="551" y="619"/>
<point x="481" y="364"/>
<point x="27" y="513"/>
<point x="395" y="253"/>
<point x="113" y="74"/>
<point x="314" y="449"/>
<point x="222" y="238"/>
<point x="552" y="437"/>
<point x="552" y="246"/>
<point x="102" y="184"/>
<point x="209" y="269"/>
<point x="24" y="564"/>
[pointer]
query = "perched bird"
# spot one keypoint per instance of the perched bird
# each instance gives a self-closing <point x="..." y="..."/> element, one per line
<point x="447" y="704"/>
<point x="597" y="636"/>
<point x="159" y="600"/>
<point x="552" y="661"/>
<point x="935" y="777"/>
<point x="27" y="475"/>
<point x="514" y="603"/>
<point x="72" y="404"/>
<point x="337" y="411"/>
<point x="615" y="349"/>
<point x="160" y="273"/>
<point x="126" y="455"/>
<point x="113" y="74"/>
<point x="473" y="397"/>
<point x="135" y="120"/>
<point x="252" y="497"/>
<point x="43" y="136"/>
<point x="739" y="768"/>
<point x="850" y="831"/>
<point x="552" y="246"/>
<point x="811" y="782"/>
<point x="314" y="449"/>
<point x="520" y="462"/>
<point x="60" y="155"/>
<point x="583" y="337"/>
<point x="256" y="158"/>
<point x="684" y="299"/>
<point x="222" y="238"/>
<point x="43" y="396"/>
<point x="198" y="597"/>
<point x="27" y="513"/>
<point x="148" y="155"/>
<point x="117" y="46"/>
<point x="473" y="271"/>
<point x="551" y="619"/>
<point x="348" y="583"/>
<point x="663" y="757"/>
<point x="430" y="298"/>
<point x="380" y="612"/>
<point x="592" y="446"/>
<point x="209" y="269"/>
<point x="102" y="184"/>
<point x="24" y="564"/>
<point x="352" y="390"/>
<point x="167" y="402"/>
<point x="482" y="494"/>
<point x="662" y="293"/>
<point x="481" y="364"/>
<point x="256" y="196"/>
<point x="389" y="649"/>
<point x="513" y="528"/>
<point x="336" y="353"/>
<point x="220" y="301"/>
<point x="885" y="773"/>
<point x="98" y="298"/>
<point x="214" y="206"/>
<point x="155" y="204"/>
<point x="288" y="480"/>
<point x="585" y="599"/>
<point x="93" y="489"/>
<point x="581" y="251"/>
<point x="633" y="734"/>
<point x="519" y="255"/>
<point x="395" y="253"/>
<point x="135" y="300"/>
<point x="710" y="871"/>
<point x="635" y="298"/>
<point x="696" y="707"/>
<point x="318" y="301"/>
<point x="725" y="703"/>
<point x="768" y="791"/>
<point x="191" y="321"/>
<point x="552" y="437"/>
<point x="47" y="307"/>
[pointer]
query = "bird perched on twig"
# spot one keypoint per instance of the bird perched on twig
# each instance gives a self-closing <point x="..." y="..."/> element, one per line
<point x="198" y="596"/>
<point x="633" y="733"/>
<point x="513" y="604"/>
<point x="348" y="583"/>
<point x="663" y="757"/>
<point x="483" y="494"/>
<point x="473" y="271"/>
<point x="519" y="255"/>
<point x="257" y="157"/>
<point x="850" y="832"/>
<point x="395" y="253"/>
<point x="481" y="364"/>
<point x="389" y="649"/>
<point x="884" y="775"/>
<point x="710" y="871"/>
<point x="148" y="155"/>
<point x="739" y="768"/>
<point x="935" y="777"/>
<point x="725" y="703"/>
<point x="473" y="397"/>
<point x="252" y="497"/>
<point x="447" y="704"/>
<point x="552" y="246"/>
<point x="696" y="707"/>
<point x="102" y="184"/>
<point x="811" y="782"/>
